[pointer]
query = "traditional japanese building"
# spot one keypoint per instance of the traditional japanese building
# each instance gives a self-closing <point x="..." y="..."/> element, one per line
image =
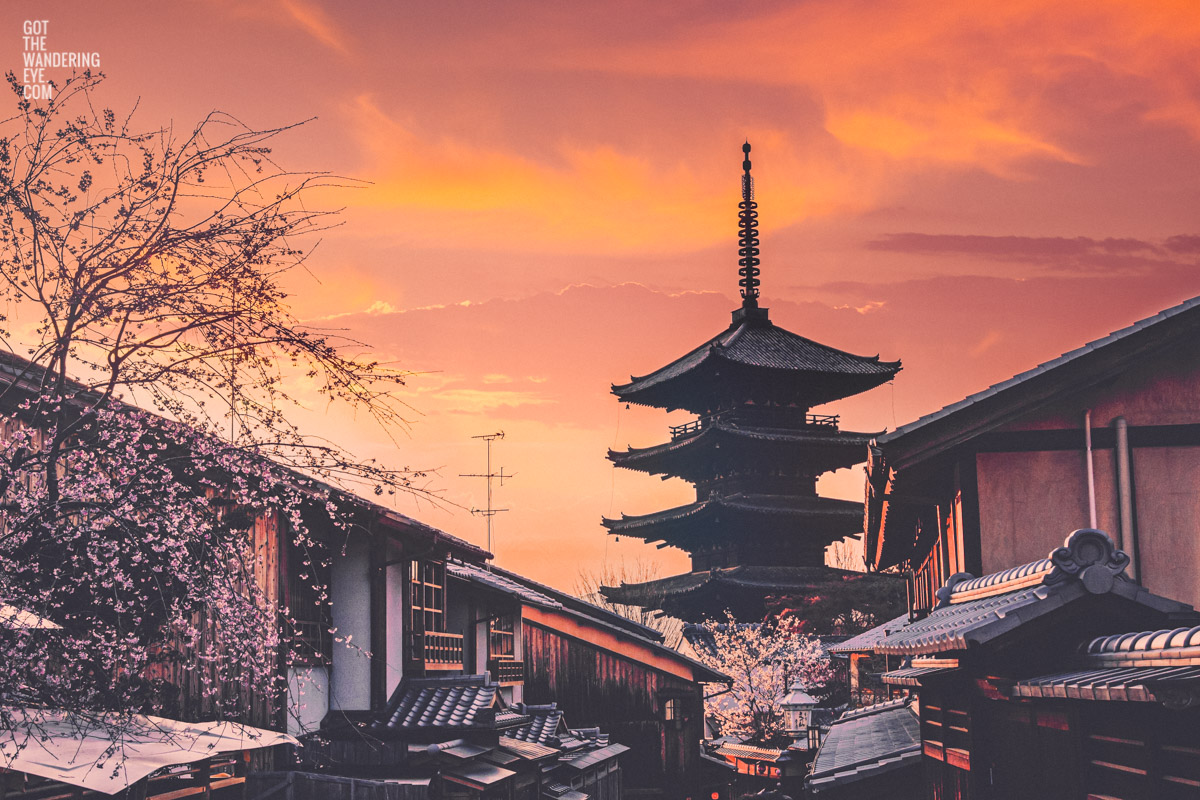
<point x="758" y="528"/>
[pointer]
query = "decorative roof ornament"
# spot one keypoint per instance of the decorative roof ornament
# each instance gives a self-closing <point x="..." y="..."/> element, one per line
<point x="1090" y="556"/>
<point x="748" y="237"/>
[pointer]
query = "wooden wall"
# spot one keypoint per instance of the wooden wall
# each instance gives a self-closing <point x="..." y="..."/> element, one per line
<point x="596" y="687"/>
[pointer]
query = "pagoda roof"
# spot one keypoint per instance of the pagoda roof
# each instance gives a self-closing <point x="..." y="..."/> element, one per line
<point x="824" y="515"/>
<point x="745" y="589"/>
<point x="795" y="369"/>
<point x="825" y="448"/>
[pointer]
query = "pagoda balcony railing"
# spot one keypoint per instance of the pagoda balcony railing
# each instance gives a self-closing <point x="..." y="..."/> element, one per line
<point x="507" y="671"/>
<point x="699" y="424"/>
<point x="439" y="651"/>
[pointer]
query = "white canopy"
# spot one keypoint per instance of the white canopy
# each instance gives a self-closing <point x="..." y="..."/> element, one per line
<point x="18" y="619"/>
<point x="111" y="753"/>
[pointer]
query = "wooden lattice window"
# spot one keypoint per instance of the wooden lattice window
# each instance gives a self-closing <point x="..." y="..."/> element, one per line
<point x="502" y="637"/>
<point x="427" y="594"/>
<point x="306" y="595"/>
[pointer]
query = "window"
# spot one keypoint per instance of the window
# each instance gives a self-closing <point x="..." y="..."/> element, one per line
<point x="427" y="596"/>
<point x="306" y="595"/>
<point x="502" y="637"/>
<point x="672" y="709"/>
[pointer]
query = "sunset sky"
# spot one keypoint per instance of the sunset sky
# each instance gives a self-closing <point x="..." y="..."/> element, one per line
<point x="551" y="204"/>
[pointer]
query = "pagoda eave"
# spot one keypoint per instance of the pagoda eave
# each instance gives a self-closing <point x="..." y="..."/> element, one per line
<point x="750" y="591"/>
<point x="713" y="380"/>
<point x="810" y="517"/>
<point x="688" y="456"/>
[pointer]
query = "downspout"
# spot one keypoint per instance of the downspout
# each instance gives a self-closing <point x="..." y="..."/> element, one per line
<point x="1091" y="472"/>
<point x="1128" y="534"/>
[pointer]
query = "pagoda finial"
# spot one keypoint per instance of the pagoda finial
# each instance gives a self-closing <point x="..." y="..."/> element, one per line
<point x="748" y="236"/>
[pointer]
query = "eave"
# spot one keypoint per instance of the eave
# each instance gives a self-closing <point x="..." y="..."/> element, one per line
<point x="687" y="456"/>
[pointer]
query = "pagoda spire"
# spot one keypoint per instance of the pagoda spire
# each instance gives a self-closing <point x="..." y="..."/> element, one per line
<point x="748" y="237"/>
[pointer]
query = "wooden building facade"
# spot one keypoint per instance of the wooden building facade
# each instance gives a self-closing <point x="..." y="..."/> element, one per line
<point x="1060" y="678"/>
<point x="1106" y="436"/>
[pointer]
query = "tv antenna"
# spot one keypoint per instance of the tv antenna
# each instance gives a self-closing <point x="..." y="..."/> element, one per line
<point x="488" y="512"/>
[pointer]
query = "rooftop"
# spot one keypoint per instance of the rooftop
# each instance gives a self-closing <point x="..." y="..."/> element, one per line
<point x="973" y="611"/>
<point x="867" y="742"/>
<point x="730" y="584"/>
<point x="825" y="448"/>
<point x="840" y="517"/>
<point x="753" y="346"/>
<point x="865" y="642"/>
<point x="1019" y="381"/>
<point x="500" y="582"/>
<point x="1141" y="666"/>
<point x="454" y="702"/>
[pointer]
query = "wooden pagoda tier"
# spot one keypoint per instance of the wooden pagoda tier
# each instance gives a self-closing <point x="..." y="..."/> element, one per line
<point x="747" y="528"/>
<point x="717" y="449"/>
<point x="755" y="361"/>
<point x="752" y="592"/>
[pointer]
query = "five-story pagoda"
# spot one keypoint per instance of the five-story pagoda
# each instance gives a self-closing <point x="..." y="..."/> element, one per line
<point x="758" y="529"/>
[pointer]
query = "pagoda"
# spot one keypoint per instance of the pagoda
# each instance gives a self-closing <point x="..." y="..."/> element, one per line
<point x="758" y="530"/>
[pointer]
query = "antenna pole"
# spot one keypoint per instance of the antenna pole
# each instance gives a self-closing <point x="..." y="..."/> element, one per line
<point x="490" y="511"/>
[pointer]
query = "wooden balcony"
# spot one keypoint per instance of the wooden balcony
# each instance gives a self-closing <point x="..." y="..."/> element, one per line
<point x="439" y="651"/>
<point x="506" y="671"/>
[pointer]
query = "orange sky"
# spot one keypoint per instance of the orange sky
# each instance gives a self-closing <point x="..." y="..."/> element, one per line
<point x="972" y="188"/>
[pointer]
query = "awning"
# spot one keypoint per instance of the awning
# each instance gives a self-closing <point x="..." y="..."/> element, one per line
<point x="18" y="619"/>
<point x="478" y="775"/>
<point x="112" y="753"/>
<point x="466" y="751"/>
<point x="920" y="671"/>
<point x="1120" y="684"/>
<point x="750" y="752"/>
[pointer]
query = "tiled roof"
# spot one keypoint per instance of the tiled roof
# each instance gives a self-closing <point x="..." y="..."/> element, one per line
<point x="920" y="671"/>
<point x="1023" y="377"/>
<point x="1142" y="666"/>
<point x="582" y="607"/>
<point x="844" y="514"/>
<point x="865" y="642"/>
<point x="870" y="741"/>
<point x="590" y="758"/>
<point x="783" y="580"/>
<point x="1128" y="684"/>
<point x="477" y="774"/>
<point x="499" y="582"/>
<point x="1088" y="563"/>
<point x="460" y="701"/>
<point x="820" y="445"/>
<point x="759" y="344"/>
<point x="530" y="751"/>
<point x="1142" y="648"/>
<point x="874" y="708"/>
<point x="543" y="724"/>
<point x="750" y="752"/>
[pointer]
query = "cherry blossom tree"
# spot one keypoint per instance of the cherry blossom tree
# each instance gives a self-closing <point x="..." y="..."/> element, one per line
<point x="141" y="269"/>
<point x="764" y="660"/>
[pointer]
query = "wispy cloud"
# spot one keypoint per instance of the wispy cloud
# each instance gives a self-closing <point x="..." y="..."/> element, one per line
<point x="1079" y="253"/>
<point x="313" y="19"/>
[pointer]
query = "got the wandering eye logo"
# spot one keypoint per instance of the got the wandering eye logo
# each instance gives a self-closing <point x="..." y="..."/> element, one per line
<point x="39" y="60"/>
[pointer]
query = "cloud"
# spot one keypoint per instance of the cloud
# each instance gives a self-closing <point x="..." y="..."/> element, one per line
<point x="1079" y="253"/>
<point x="313" y="20"/>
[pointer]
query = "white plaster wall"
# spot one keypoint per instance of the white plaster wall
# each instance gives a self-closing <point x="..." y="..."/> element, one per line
<point x="308" y="698"/>
<point x="396" y="585"/>
<point x="351" y="599"/>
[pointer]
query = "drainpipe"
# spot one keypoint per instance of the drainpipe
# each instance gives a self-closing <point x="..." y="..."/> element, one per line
<point x="1128" y="535"/>
<point x="1091" y="473"/>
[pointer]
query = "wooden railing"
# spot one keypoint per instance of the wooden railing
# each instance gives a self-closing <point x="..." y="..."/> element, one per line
<point x="507" y="670"/>
<point x="699" y="424"/>
<point x="439" y="650"/>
